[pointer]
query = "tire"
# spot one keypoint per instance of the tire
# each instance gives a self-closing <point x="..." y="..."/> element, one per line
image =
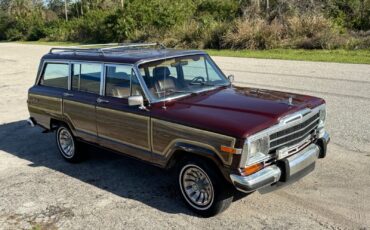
<point x="67" y="144"/>
<point x="197" y="177"/>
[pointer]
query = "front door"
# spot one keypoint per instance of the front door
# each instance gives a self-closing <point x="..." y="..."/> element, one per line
<point x="119" y="126"/>
<point x="80" y="102"/>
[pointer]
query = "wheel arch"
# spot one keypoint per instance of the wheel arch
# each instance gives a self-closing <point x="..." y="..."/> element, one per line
<point x="55" y="123"/>
<point x="183" y="151"/>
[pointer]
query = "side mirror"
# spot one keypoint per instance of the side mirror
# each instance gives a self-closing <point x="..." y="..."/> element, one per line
<point x="231" y="78"/>
<point x="136" y="101"/>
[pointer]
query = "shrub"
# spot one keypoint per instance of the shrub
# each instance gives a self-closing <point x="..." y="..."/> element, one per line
<point x="307" y="25"/>
<point x="213" y="38"/>
<point x="187" y="35"/>
<point x="254" y="34"/>
<point x="4" y="25"/>
<point x="36" y="27"/>
<point x="218" y="9"/>
<point x="314" y="32"/>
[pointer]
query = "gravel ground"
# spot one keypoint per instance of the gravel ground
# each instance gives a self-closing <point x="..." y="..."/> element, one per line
<point x="107" y="191"/>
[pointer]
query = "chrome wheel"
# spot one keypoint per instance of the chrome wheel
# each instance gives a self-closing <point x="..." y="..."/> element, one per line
<point x="196" y="187"/>
<point x="66" y="142"/>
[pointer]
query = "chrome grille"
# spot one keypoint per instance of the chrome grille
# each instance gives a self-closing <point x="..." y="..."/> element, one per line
<point x="295" y="134"/>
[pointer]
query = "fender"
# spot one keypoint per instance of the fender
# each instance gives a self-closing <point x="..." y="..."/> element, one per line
<point x="183" y="149"/>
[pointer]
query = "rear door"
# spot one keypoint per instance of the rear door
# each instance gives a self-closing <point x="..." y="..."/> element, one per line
<point x="122" y="127"/>
<point x="79" y="103"/>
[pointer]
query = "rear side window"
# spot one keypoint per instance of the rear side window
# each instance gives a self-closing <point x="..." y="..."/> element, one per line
<point x="55" y="75"/>
<point x="86" y="77"/>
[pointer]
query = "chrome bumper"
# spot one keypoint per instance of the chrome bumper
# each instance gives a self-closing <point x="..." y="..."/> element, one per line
<point x="285" y="170"/>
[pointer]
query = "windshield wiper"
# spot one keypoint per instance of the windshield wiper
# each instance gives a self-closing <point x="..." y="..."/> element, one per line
<point x="181" y="91"/>
<point x="208" y="84"/>
<point x="202" y="83"/>
<point x="177" y="91"/>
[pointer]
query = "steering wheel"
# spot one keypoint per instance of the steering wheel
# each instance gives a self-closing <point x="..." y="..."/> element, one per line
<point x="197" y="80"/>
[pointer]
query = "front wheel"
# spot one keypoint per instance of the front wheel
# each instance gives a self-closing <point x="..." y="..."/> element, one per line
<point x="67" y="145"/>
<point x="203" y="189"/>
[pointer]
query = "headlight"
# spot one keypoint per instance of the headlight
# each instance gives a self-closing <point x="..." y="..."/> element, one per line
<point x="322" y="116"/>
<point x="257" y="150"/>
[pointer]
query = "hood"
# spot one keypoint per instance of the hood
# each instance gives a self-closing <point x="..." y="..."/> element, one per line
<point x="234" y="111"/>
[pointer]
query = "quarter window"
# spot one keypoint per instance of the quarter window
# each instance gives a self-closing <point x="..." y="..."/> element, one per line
<point x="86" y="77"/>
<point x="56" y="75"/>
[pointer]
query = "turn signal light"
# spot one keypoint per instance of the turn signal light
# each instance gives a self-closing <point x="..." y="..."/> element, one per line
<point x="252" y="169"/>
<point x="230" y="150"/>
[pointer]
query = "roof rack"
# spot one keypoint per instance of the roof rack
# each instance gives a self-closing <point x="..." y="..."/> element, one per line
<point x="113" y="47"/>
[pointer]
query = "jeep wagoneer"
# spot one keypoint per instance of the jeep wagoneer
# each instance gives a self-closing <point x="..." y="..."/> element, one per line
<point x="176" y="109"/>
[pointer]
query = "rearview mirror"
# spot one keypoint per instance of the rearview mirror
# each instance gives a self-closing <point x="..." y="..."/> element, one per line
<point x="137" y="100"/>
<point x="231" y="78"/>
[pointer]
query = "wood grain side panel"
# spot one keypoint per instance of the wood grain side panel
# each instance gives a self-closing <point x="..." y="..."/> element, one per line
<point x="127" y="128"/>
<point x="166" y="134"/>
<point x="81" y="115"/>
<point x="42" y="108"/>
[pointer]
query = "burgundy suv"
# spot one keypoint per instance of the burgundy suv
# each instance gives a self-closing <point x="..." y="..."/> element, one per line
<point x="176" y="109"/>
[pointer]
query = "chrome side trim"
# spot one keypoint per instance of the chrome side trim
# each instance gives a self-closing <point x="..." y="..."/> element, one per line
<point x="69" y="76"/>
<point x="102" y="80"/>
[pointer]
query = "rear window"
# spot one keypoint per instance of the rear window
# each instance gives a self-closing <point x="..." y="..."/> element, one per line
<point x="86" y="77"/>
<point x="55" y="75"/>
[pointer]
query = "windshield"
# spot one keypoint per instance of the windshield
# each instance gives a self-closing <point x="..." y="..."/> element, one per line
<point x="181" y="76"/>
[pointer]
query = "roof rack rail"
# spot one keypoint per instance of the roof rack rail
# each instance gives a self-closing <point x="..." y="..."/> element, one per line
<point x="114" y="46"/>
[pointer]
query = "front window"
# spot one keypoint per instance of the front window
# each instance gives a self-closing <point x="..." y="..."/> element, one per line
<point x="121" y="82"/>
<point x="181" y="76"/>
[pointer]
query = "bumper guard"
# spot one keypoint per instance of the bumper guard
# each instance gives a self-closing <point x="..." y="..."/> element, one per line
<point x="285" y="170"/>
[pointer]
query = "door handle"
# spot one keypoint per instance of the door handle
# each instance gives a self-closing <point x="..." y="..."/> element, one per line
<point x="99" y="100"/>
<point x="67" y="94"/>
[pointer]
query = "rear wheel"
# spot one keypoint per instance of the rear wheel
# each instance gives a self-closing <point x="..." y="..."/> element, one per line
<point x="203" y="189"/>
<point x="67" y="144"/>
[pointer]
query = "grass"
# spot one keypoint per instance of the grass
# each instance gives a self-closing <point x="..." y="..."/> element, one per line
<point x="341" y="56"/>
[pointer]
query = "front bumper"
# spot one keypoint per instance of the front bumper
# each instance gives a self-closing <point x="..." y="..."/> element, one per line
<point x="285" y="170"/>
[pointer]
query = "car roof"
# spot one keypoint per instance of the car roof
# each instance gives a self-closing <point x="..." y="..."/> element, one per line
<point x="128" y="56"/>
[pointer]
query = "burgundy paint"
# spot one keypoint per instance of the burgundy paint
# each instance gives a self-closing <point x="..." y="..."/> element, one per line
<point x="233" y="111"/>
